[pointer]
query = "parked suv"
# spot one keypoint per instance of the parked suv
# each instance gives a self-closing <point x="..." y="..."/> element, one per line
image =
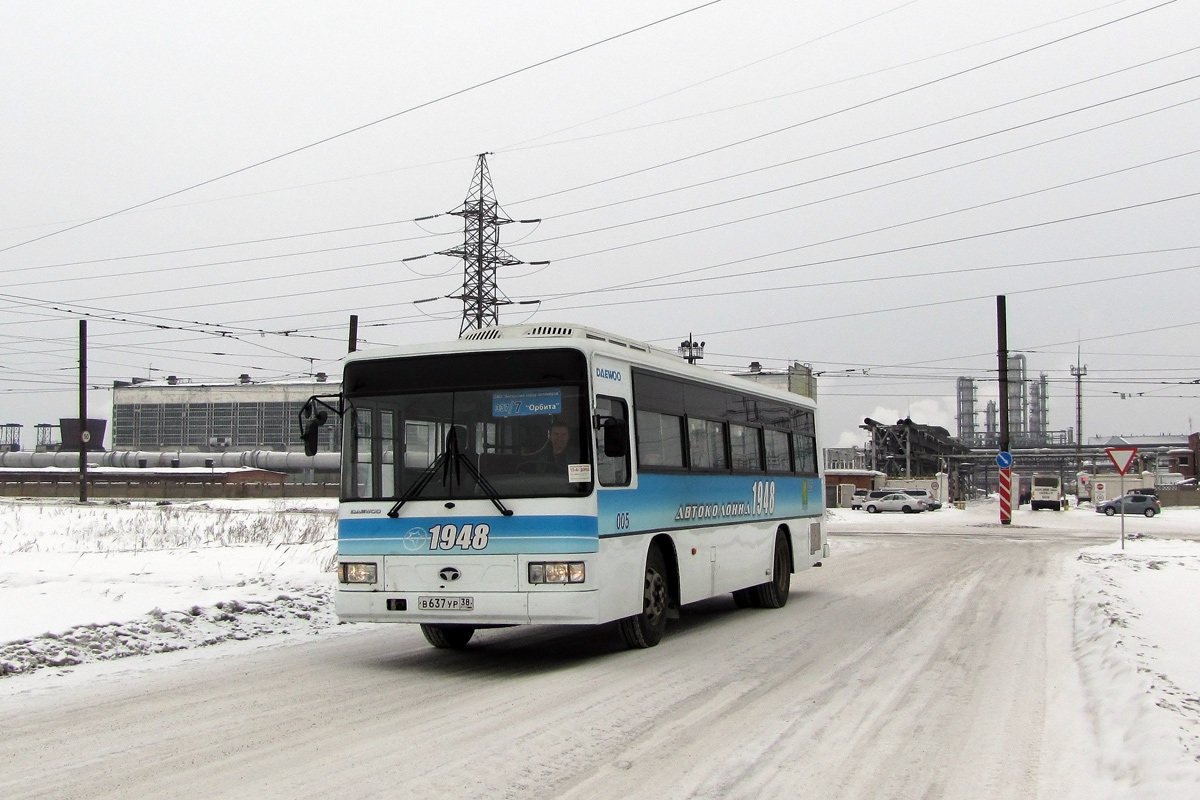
<point x="1134" y="504"/>
<point x="930" y="503"/>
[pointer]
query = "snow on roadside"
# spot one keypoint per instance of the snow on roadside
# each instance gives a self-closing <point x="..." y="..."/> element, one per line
<point x="167" y="631"/>
<point x="1136" y="636"/>
<point x="1137" y="643"/>
<point x="101" y="581"/>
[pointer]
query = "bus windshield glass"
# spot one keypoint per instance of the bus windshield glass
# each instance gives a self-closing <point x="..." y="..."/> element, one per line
<point x="425" y="427"/>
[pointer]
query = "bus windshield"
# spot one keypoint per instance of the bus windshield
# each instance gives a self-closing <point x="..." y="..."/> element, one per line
<point x="519" y="420"/>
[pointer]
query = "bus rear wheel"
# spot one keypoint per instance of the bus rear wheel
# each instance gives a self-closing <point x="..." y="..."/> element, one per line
<point x="454" y="637"/>
<point x="646" y="629"/>
<point x="774" y="593"/>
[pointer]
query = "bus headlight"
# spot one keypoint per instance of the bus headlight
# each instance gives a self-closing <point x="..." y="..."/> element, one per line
<point x="556" y="572"/>
<point x="352" y="572"/>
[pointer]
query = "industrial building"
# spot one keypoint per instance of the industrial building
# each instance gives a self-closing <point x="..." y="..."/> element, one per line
<point x="180" y="414"/>
<point x="1028" y="412"/>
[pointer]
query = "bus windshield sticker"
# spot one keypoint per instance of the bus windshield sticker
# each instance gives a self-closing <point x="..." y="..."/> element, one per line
<point x="579" y="473"/>
<point x="527" y="403"/>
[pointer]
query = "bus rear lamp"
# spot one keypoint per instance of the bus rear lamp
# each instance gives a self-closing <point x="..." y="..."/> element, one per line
<point x="353" y="572"/>
<point x="556" y="572"/>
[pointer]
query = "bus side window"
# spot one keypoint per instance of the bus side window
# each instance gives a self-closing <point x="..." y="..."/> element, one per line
<point x="744" y="447"/>
<point x="659" y="439"/>
<point x="611" y="470"/>
<point x="779" y="455"/>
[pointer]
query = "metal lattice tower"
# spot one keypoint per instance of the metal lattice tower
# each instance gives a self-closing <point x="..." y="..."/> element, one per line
<point x="481" y="252"/>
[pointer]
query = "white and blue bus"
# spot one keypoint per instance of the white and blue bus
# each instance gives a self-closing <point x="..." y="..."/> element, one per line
<point x="558" y="474"/>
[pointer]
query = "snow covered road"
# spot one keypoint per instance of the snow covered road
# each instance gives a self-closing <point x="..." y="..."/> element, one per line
<point x="909" y="666"/>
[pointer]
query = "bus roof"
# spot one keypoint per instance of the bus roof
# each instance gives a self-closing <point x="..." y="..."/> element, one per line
<point x="589" y="340"/>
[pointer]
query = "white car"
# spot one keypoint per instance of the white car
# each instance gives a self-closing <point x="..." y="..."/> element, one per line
<point x="897" y="501"/>
<point x="860" y="495"/>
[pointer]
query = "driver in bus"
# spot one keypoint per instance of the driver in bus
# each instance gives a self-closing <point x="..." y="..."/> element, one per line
<point x="560" y="437"/>
<point x="552" y="456"/>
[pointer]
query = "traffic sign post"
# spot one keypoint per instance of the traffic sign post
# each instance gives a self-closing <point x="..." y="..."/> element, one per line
<point x="1004" y="461"/>
<point x="1122" y="457"/>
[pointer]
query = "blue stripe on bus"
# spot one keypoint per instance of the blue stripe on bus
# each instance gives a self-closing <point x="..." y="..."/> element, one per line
<point x="674" y="501"/>
<point x="506" y="535"/>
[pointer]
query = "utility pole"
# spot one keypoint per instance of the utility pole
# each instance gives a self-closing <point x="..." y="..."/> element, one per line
<point x="1006" y="489"/>
<point x="1002" y="358"/>
<point x="353" y="333"/>
<point x="1078" y="371"/>
<point x="84" y="435"/>
<point x="481" y="252"/>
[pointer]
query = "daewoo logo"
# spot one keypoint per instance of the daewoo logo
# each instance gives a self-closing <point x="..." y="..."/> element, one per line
<point x="449" y="574"/>
<point x="608" y="374"/>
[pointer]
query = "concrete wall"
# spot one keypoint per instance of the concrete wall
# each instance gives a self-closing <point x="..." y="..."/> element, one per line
<point x="1179" y="497"/>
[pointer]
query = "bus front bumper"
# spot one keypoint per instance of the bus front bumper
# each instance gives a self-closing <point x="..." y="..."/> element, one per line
<point x="543" y="606"/>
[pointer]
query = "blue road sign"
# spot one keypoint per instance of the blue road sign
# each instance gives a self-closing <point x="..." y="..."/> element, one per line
<point x="1004" y="459"/>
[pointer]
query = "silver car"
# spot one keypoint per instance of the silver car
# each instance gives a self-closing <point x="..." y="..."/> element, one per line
<point x="1146" y="504"/>
<point x="897" y="501"/>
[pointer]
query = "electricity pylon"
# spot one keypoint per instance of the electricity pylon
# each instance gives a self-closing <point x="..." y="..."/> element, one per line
<point x="481" y="252"/>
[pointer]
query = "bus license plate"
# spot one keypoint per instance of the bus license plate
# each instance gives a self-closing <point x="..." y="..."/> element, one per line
<point x="426" y="603"/>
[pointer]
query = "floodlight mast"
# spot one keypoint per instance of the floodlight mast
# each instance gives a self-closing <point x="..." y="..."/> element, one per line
<point x="691" y="350"/>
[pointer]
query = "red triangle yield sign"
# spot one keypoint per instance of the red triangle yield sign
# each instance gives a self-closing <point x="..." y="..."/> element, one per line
<point x="1122" y="457"/>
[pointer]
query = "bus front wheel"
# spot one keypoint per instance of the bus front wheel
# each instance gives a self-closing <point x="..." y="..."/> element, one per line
<point x="646" y="629"/>
<point x="454" y="637"/>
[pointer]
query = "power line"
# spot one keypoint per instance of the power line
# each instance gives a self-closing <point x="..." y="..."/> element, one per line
<point x="928" y="303"/>
<point x="846" y="109"/>
<point x="366" y="125"/>
<point x="181" y="250"/>
<point x="645" y="283"/>
<point x="784" y="95"/>
<point x="884" y="162"/>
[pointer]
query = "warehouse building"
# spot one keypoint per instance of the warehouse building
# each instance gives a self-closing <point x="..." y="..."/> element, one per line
<point x="192" y="416"/>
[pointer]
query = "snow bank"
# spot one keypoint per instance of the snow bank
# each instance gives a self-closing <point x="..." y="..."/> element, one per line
<point x="167" y="631"/>
<point x="1137" y="643"/>
<point x="92" y="582"/>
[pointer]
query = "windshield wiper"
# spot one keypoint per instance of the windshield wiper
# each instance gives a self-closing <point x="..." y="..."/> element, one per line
<point x="451" y="455"/>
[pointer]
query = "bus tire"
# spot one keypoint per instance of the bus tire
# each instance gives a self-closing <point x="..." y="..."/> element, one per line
<point x="774" y="593"/>
<point x="746" y="598"/>
<point x="454" y="637"/>
<point x="646" y="629"/>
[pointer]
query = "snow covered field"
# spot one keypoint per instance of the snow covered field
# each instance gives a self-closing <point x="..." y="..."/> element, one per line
<point x="83" y="586"/>
<point x="107" y="580"/>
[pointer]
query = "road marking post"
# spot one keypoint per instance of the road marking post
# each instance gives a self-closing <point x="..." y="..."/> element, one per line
<point x="1004" y="461"/>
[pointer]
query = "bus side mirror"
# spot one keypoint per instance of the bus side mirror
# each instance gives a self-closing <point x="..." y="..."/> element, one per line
<point x="616" y="437"/>
<point x="311" y="420"/>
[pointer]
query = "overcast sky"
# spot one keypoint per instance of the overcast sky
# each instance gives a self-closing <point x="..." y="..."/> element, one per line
<point x="845" y="184"/>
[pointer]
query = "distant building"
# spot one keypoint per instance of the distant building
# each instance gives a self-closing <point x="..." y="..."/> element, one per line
<point x="798" y="379"/>
<point x="181" y="414"/>
<point x="847" y="458"/>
